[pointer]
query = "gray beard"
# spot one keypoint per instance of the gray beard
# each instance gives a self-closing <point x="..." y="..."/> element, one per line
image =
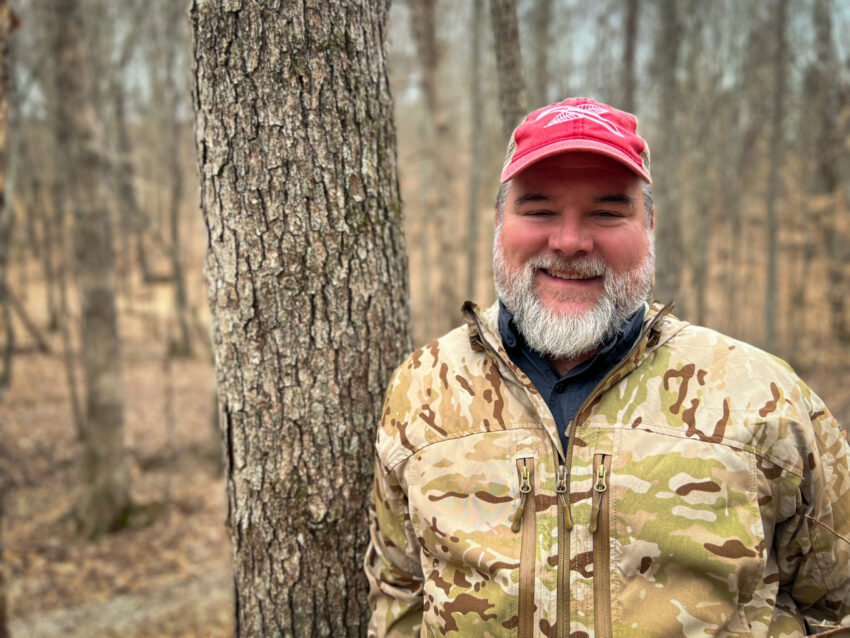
<point x="570" y="335"/>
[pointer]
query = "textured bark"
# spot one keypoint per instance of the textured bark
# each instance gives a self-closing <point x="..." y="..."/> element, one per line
<point x="773" y="186"/>
<point x="5" y="326"/>
<point x="668" y="223"/>
<point x="104" y="495"/>
<point x="307" y="284"/>
<point x="541" y="44"/>
<point x="512" y="98"/>
<point x="630" y="33"/>
<point x="443" y="313"/>
<point x="180" y="341"/>
<point x="476" y="143"/>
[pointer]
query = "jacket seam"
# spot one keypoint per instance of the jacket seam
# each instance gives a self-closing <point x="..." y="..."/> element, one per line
<point x="735" y="445"/>
<point x="460" y="435"/>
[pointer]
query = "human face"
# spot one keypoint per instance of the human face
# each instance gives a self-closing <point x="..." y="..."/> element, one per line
<point x="573" y="255"/>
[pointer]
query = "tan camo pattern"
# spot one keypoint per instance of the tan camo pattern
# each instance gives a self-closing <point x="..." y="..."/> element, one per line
<point x="728" y="497"/>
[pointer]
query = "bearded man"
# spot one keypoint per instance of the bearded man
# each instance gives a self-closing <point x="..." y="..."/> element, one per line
<point x="574" y="461"/>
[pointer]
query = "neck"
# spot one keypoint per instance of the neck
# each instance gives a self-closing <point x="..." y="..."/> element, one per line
<point x="564" y="365"/>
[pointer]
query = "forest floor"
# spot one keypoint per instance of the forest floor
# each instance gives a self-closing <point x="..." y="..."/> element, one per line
<point x="168" y="573"/>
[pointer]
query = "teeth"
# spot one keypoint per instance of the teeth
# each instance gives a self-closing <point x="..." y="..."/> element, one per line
<point x="562" y="275"/>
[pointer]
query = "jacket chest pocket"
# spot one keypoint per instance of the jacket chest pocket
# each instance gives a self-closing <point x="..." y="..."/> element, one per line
<point x="687" y="538"/>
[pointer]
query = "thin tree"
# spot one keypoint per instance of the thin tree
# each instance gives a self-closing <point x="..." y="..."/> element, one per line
<point x="104" y="492"/>
<point x="630" y="39"/>
<point x="668" y="223"/>
<point x="777" y="147"/>
<point x="307" y="284"/>
<point x="476" y="143"/>
<point x="6" y="26"/>
<point x="541" y="45"/>
<point x="513" y="103"/>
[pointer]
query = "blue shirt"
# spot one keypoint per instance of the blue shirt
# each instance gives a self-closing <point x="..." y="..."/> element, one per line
<point x="565" y="394"/>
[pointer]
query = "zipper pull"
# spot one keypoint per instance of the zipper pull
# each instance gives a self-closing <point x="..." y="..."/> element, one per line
<point x="563" y="501"/>
<point x="524" y="488"/>
<point x="599" y="487"/>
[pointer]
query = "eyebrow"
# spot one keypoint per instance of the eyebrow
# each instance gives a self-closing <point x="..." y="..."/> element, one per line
<point x="614" y="198"/>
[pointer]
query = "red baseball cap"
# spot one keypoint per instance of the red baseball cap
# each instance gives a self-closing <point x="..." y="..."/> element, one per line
<point x="577" y="124"/>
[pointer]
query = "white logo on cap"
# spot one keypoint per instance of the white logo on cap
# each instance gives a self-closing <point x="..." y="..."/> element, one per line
<point x="592" y="112"/>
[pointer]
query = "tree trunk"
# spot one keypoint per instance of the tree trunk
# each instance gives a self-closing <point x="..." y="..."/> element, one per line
<point x="476" y="143"/>
<point x="630" y="36"/>
<point x="512" y="100"/>
<point x="180" y="342"/>
<point x="440" y="206"/>
<point x="5" y="318"/>
<point x="668" y="223"/>
<point x="541" y="44"/>
<point x="773" y="186"/>
<point x="104" y="496"/>
<point x="307" y="284"/>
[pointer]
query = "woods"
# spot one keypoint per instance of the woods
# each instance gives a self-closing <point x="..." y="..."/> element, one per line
<point x="168" y="301"/>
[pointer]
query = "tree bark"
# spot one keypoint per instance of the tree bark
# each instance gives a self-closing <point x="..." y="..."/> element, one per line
<point x="541" y="20"/>
<point x="773" y="185"/>
<point x="512" y="98"/>
<point x="5" y="224"/>
<point x="443" y="312"/>
<point x="476" y="143"/>
<point x="668" y="223"/>
<point x="307" y="284"/>
<point x="630" y="45"/>
<point x="104" y="495"/>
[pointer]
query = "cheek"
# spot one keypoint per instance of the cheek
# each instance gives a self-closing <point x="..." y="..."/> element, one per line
<point x="520" y="242"/>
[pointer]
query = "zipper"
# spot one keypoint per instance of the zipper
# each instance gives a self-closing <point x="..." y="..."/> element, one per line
<point x="600" y="529"/>
<point x="525" y="518"/>
<point x="565" y="525"/>
<point x="563" y="620"/>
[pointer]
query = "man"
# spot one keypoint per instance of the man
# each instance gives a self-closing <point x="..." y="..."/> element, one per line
<point x="575" y="462"/>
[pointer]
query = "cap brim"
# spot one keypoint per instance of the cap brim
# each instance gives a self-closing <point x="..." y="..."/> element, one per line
<point x="566" y="146"/>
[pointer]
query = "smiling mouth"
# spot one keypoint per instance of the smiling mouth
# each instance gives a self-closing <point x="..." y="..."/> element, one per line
<point x="569" y="276"/>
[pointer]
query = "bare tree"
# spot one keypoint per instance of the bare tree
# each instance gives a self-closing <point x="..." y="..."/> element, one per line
<point x="307" y="284"/>
<point x="630" y="33"/>
<point x="669" y="232"/>
<point x="6" y="26"/>
<point x="512" y="97"/>
<point x="444" y="311"/>
<point x="104" y="496"/>
<point x="777" y="148"/>
<point x="541" y="44"/>
<point x="476" y="143"/>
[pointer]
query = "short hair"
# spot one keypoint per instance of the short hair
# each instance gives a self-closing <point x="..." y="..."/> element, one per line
<point x="502" y="198"/>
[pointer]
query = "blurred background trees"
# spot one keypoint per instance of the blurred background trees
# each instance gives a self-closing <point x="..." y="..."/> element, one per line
<point x="746" y="107"/>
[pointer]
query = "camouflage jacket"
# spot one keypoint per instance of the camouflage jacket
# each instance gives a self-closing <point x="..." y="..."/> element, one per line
<point x="705" y="491"/>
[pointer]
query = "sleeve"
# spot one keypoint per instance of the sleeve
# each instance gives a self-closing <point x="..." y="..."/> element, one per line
<point x="392" y="562"/>
<point x="814" y="545"/>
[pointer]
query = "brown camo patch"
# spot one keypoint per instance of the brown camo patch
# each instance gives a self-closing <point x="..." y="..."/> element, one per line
<point x="705" y="486"/>
<point x="444" y="375"/>
<point x="701" y="374"/>
<point x="434" y="498"/>
<point x="732" y="548"/>
<point x="645" y="564"/>
<point x="812" y="462"/>
<point x="547" y="629"/>
<point x="460" y="579"/>
<point x="637" y="422"/>
<point x="770" y="406"/>
<point x="719" y="427"/>
<point x="512" y="622"/>
<point x="464" y="384"/>
<point x="435" y="577"/>
<point x="430" y="417"/>
<point x="770" y="470"/>
<point x="492" y="376"/>
<point x="464" y="604"/>
<point x="686" y="374"/>
<point x="490" y="498"/>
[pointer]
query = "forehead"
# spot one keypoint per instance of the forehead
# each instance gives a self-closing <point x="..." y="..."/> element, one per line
<point x="571" y="169"/>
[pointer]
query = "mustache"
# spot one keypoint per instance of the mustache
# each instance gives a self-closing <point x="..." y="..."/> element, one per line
<point x="587" y="266"/>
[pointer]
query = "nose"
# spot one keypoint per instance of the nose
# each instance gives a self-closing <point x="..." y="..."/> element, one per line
<point x="570" y="237"/>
